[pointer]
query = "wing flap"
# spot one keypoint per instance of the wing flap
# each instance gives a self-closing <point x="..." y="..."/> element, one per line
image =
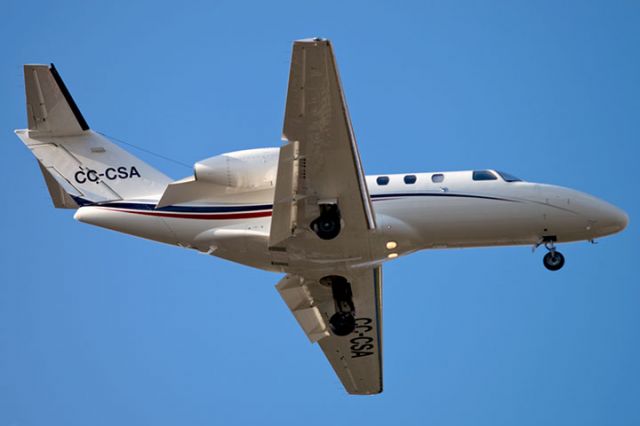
<point x="297" y="297"/>
<point x="285" y="198"/>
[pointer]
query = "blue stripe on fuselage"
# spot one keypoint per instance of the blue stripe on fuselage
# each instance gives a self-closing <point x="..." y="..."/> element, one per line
<point x="82" y="202"/>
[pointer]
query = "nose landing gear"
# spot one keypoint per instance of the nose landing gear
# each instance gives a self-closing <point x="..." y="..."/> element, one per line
<point x="554" y="260"/>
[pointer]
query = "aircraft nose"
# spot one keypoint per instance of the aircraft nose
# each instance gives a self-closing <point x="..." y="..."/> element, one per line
<point x="607" y="218"/>
<point x="618" y="218"/>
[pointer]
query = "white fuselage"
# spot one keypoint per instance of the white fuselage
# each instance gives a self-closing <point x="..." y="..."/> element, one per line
<point x="456" y="212"/>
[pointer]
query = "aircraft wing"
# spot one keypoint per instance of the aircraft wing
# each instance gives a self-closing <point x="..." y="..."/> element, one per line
<point x="356" y="358"/>
<point x="320" y="165"/>
<point x="321" y="160"/>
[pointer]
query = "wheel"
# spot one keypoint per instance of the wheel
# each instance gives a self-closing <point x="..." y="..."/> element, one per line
<point x="553" y="260"/>
<point x="342" y="323"/>
<point x="326" y="227"/>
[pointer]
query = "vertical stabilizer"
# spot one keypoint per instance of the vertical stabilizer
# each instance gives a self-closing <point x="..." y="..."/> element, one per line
<point x="50" y="107"/>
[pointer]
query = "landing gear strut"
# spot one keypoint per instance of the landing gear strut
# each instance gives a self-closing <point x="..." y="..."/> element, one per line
<point x="554" y="260"/>
<point x="343" y="322"/>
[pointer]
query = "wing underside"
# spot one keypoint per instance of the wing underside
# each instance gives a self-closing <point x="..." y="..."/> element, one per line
<point x="320" y="161"/>
<point x="357" y="357"/>
<point x="319" y="166"/>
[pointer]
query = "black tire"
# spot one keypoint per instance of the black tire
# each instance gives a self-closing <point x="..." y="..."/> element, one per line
<point x="342" y="323"/>
<point x="327" y="227"/>
<point x="553" y="261"/>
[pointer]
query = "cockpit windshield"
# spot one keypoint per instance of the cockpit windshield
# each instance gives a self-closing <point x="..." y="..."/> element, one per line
<point x="507" y="177"/>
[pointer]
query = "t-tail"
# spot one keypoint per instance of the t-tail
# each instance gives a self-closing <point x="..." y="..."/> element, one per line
<point x="80" y="167"/>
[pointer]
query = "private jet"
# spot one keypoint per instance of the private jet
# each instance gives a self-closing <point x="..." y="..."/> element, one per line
<point x="305" y="209"/>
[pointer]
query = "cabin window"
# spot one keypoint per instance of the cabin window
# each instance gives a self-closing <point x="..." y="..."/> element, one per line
<point x="410" y="179"/>
<point x="383" y="180"/>
<point x="484" y="175"/>
<point x="437" y="178"/>
<point x="508" y="178"/>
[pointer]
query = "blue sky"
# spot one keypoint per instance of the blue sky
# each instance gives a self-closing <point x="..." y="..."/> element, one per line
<point x="101" y="328"/>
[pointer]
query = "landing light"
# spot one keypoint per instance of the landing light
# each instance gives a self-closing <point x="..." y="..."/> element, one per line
<point x="391" y="245"/>
<point x="392" y="255"/>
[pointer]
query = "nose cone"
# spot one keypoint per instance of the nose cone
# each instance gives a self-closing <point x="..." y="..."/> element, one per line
<point x="606" y="218"/>
<point x="575" y="215"/>
<point x="616" y="218"/>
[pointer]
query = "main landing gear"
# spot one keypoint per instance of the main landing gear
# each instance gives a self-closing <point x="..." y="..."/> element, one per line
<point x="554" y="260"/>
<point x="343" y="322"/>
<point x="327" y="225"/>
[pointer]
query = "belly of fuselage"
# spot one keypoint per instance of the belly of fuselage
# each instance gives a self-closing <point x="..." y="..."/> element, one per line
<point x="461" y="221"/>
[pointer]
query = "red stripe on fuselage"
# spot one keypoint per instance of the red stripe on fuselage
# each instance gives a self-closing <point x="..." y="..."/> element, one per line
<point x="215" y="216"/>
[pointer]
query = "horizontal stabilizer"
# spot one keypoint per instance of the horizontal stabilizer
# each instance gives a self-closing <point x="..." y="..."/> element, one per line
<point x="59" y="188"/>
<point x="185" y="190"/>
<point x="190" y="190"/>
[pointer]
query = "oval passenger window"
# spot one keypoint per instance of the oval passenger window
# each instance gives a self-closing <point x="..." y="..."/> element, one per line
<point x="382" y="180"/>
<point x="410" y="179"/>
<point x="437" y="178"/>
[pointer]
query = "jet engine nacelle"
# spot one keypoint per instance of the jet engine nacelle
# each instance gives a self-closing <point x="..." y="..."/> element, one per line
<point x="249" y="169"/>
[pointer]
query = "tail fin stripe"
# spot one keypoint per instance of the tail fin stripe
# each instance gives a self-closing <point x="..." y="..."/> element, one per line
<point x="72" y="104"/>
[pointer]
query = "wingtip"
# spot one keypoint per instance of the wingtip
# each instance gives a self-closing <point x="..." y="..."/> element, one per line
<point x="27" y="66"/>
<point x="49" y="65"/>
<point x="313" y="40"/>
